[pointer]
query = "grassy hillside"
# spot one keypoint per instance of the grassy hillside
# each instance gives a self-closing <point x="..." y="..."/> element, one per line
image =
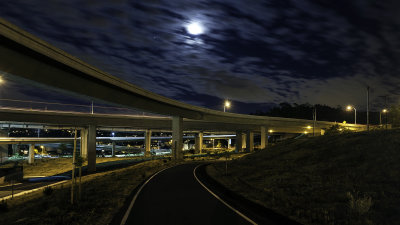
<point x="103" y="194"/>
<point x="342" y="179"/>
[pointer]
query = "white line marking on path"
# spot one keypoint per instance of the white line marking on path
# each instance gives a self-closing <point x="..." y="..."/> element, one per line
<point x="125" y="218"/>
<point x="217" y="197"/>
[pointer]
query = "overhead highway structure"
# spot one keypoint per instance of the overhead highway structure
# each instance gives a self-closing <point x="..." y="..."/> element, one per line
<point x="28" y="57"/>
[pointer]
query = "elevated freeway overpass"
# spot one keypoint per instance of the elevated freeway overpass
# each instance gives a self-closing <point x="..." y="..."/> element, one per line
<point x="26" y="56"/>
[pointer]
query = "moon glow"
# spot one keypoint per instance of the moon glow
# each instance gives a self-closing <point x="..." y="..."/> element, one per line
<point x="195" y="28"/>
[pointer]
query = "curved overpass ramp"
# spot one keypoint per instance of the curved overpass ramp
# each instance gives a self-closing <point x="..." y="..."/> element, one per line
<point x="28" y="57"/>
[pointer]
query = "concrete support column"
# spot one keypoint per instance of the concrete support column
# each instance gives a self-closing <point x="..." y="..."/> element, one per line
<point x="250" y="141"/>
<point x="3" y="148"/>
<point x="238" y="141"/>
<point x="198" y="142"/>
<point x="31" y="154"/>
<point x="177" y="137"/>
<point x="229" y="143"/>
<point x="15" y="149"/>
<point x="113" y="149"/>
<point x="83" y="145"/>
<point x="264" y="138"/>
<point x="91" y="148"/>
<point x="147" y="142"/>
<point x="244" y="135"/>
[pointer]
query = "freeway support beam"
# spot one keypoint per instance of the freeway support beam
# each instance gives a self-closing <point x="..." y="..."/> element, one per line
<point x="244" y="139"/>
<point x="264" y="138"/>
<point x="198" y="143"/>
<point x="89" y="147"/>
<point x="3" y="148"/>
<point x="147" y="142"/>
<point x="177" y="137"/>
<point x="250" y="141"/>
<point x="31" y="156"/>
<point x="113" y="149"/>
<point x="83" y="144"/>
<point x="238" y="141"/>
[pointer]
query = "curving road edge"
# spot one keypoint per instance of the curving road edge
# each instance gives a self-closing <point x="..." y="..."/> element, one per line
<point x="249" y="211"/>
<point x="220" y="199"/>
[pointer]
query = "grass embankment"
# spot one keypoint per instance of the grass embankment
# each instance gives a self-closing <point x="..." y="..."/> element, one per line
<point x="342" y="179"/>
<point x="51" y="167"/>
<point x="103" y="194"/>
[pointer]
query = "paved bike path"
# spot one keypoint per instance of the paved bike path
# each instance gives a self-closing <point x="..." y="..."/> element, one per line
<point x="175" y="197"/>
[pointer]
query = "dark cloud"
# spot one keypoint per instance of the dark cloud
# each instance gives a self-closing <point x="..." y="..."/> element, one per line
<point x="253" y="52"/>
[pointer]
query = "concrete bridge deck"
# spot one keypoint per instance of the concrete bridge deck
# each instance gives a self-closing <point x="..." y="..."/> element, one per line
<point x="25" y="56"/>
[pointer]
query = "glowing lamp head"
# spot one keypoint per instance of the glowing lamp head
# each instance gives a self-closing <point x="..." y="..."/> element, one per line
<point x="384" y="110"/>
<point x="349" y="107"/>
<point x="227" y="104"/>
<point x="195" y="28"/>
<point x="308" y="127"/>
<point x="270" y="131"/>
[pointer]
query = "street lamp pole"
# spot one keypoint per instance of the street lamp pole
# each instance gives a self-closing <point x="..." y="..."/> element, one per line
<point x="355" y="116"/>
<point x="380" y="117"/>
<point x="355" y="113"/>
<point x="227" y="104"/>
<point x="314" y="118"/>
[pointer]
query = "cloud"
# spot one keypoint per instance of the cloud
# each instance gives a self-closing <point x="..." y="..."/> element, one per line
<point x="252" y="51"/>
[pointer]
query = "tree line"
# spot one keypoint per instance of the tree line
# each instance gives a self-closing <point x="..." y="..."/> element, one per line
<point x="328" y="113"/>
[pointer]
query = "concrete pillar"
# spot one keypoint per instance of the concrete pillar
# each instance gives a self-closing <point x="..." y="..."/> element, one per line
<point x="83" y="145"/>
<point x="264" y="138"/>
<point x="244" y="135"/>
<point x="15" y="149"/>
<point x="113" y="149"/>
<point x="91" y="148"/>
<point x="177" y="137"/>
<point x="198" y="142"/>
<point x="3" y="148"/>
<point x="147" y="142"/>
<point x="31" y="154"/>
<point x="250" y="141"/>
<point x="238" y="141"/>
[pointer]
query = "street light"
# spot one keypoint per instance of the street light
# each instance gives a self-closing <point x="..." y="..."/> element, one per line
<point x="380" y="116"/>
<point x="227" y="104"/>
<point x="349" y="108"/>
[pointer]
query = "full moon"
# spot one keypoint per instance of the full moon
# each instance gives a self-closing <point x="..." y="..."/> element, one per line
<point x="195" y="28"/>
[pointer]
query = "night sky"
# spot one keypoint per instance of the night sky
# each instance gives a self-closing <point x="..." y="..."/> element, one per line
<point x="255" y="53"/>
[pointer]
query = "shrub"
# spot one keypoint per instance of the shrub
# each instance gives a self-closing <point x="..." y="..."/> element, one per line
<point x="3" y="206"/>
<point x="358" y="203"/>
<point x="337" y="129"/>
<point x="48" y="190"/>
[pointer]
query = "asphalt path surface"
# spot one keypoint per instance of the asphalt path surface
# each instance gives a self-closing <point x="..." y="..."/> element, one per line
<point x="174" y="196"/>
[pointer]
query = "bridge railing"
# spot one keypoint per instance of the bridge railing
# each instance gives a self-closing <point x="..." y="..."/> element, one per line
<point x="90" y="108"/>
